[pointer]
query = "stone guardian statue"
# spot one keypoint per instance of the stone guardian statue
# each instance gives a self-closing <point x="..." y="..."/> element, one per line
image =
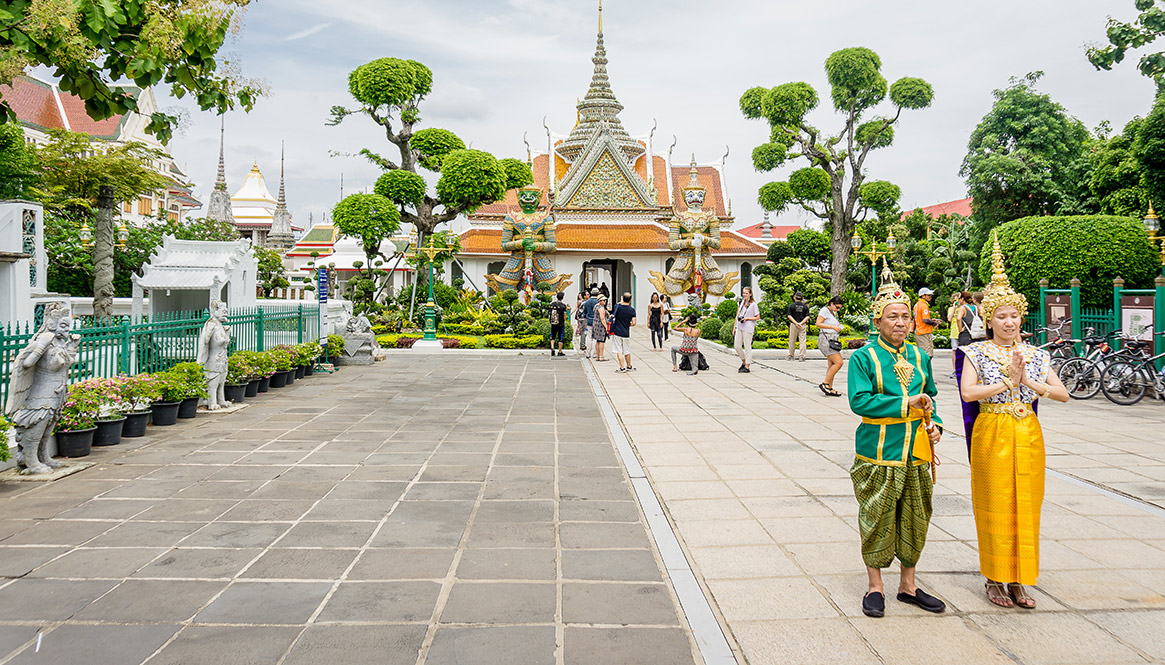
<point x="213" y="343"/>
<point x="529" y="236"/>
<point x="40" y="376"/>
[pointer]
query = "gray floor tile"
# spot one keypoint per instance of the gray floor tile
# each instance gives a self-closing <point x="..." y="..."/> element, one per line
<point x="14" y="637"/>
<point x="97" y="644"/>
<point x="117" y="563"/>
<point x="147" y="601"/>
<point x="402" y="564"/>
<point x="356" y="645"/>
<point x="199" y="563"/>
<point x="328" y="534"/>
<point x="500" y="602"/>
<point x="419" y="534"/>
<point x="19" y="561"/>
<point x="266" y="603"/>
<point x="146" y="534"/>
<point x="508" y="564"/>
<point x="624" y="646"/>
<point x="227" y="645"/>
<point x="48" y="600"/>
<point x="301" y="564"/>
<point x="512" y="534"/>
<point x="584" y="535"/>
<point x="236" y="534"/>
<point x="623" y="565"/>
<point x="382" y="601"/>
<point x="617" y="603"/>
<point x="501" y="645"/>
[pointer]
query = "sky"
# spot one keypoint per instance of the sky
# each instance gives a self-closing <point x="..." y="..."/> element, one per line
<point x="501" y="66"/>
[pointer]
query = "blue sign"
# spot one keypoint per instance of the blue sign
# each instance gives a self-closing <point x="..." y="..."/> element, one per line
<point x="323" y="286"/>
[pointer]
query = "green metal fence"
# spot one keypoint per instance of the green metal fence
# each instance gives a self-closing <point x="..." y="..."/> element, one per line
<point x="119" y="346"/>
<point x="1101" y="320"/>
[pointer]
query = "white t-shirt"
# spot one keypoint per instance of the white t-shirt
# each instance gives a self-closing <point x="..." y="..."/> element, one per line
<point x="830" y="320"/>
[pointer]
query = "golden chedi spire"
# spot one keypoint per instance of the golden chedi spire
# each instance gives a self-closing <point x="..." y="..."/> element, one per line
<point x="999" y="292"/>
<point x="889" y="293"/>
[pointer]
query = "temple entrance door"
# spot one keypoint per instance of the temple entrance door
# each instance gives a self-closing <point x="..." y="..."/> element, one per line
<point x="599" y="273"/>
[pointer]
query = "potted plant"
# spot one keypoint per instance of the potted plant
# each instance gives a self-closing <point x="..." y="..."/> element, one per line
<point x="111" y="415"/>
<point x="172" y="389"/>
<point x="78" y="420"/>
<point x="5" y="433"/>
<point x="312" y="352"/>
<point x="281" y="360"/>
<point x="254" y="373"/>
<point x="335" y="348"/>
<point x="138" y="393"/>
<point x="289" y="374"/>
<point x="194" y="380"/>
<point x="265" y="363"/>
<point x="238" y="375"/>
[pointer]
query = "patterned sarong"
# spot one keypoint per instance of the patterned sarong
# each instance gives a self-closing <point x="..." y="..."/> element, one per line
<point x="894" y="509"/>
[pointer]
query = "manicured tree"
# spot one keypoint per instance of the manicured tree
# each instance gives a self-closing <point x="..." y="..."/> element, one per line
<point x="1026" y="157"/>
<point x="370" y="218"/>
<point x="91" y="43"/>
<point x="1125" y="37"/>
<point x="389" y="91"/>
<point x="833" y="187"/>
<point x="271" y="274"/>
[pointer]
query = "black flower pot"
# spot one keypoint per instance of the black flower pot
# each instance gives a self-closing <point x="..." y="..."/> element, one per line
<point x="188" y="408"/>
<point x="235" y="392"/>
<point x="77" y="443"/>
<point x="300" y="371"/>
<point x="164" y="413"/>
<point x="307" y="370"/>
<point x="252" y="388"/>
<point x="108" y="432"/>
<point x="135" y="424"/>
<point x="279" y="379"/>
<point x="264" y="384"/>
<point x="290" y="376"/>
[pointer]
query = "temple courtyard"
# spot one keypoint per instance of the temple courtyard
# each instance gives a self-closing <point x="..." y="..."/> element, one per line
<point x="481" y="508"/>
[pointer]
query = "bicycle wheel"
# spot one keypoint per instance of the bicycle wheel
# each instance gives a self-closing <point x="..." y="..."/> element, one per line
<point x="1080" y="377"/>
<point x="1124" y="383"/>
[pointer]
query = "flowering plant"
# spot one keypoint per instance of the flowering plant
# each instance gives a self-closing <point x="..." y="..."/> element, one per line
<point x="137" y="393"/>
<point x="240" y="369"/>
<point x="171" y="387"/>
<point x="282" y="356"/>
<point x="83" y="405"/>
<point x="5" y="427"/>
<point x="192" y="377"/>
<point x="263" y="362"/>
<point x="307" y="352"/>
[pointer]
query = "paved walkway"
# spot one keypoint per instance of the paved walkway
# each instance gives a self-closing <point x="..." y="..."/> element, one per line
<point x="428" y="510"/>
<point x="753" y="470"/>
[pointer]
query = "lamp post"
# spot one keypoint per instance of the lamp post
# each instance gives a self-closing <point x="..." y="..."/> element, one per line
<point x="430" y="341"/>
<point x="1152" y="226"/>
<point x="873" y="254"/>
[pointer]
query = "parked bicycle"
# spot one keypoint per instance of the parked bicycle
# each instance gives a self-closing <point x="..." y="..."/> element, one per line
<point x="1081" y="376"/>
<point x="1125" y="382"/>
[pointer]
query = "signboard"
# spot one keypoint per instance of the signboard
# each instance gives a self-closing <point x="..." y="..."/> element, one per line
<point x="1058" y="313"/>
<point x="1137" y="316"/>
<point x="322" y="290"/>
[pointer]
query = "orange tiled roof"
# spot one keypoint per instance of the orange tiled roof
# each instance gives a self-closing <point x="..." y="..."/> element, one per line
<point x="709" y="178"/>
<point x="605" y="237"/>
<point x="756" y="230"/>
<point x="960" y="207"/>
<point x="33" y="103"/>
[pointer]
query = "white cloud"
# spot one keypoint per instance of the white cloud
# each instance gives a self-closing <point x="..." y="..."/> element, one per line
<point x="307" y="32"/>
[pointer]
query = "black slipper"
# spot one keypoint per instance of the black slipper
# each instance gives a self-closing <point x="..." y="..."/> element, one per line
<point x="874" y="604"/>
<point x="923" y="600"/>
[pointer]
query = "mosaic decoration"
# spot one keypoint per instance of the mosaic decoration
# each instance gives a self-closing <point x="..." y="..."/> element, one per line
<point x="28" y="242"/>
<point x="605" y="187"/>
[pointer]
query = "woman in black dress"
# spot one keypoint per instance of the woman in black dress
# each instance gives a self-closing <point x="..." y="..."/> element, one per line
<point x="655" y="322"/>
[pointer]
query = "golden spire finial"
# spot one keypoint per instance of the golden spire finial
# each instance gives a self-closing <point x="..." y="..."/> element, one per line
<point x="1152" y="213"/>
<point x="600" y="17"/>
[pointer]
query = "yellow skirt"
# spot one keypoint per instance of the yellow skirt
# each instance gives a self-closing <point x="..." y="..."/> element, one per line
<point x="1007" y="490"/>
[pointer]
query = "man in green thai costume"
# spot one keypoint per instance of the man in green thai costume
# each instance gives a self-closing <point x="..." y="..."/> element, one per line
<point x="891" y="386"/>
<point x="529" y="237"/>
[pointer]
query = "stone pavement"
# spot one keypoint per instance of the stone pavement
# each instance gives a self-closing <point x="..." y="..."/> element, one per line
<point x="428" y="510"/>
<point x="753" y="472"/>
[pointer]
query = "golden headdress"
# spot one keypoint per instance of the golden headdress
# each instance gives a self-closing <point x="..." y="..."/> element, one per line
<point x="999" y="292"/>
<point x="889" y="293"/>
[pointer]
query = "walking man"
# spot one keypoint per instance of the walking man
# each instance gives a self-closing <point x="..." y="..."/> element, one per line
<point x="798" y="315"/>
<point x="891" y="386"/>
<point x="558" y="315"/>
<point x="923" y="324"/>
<point x="588" y="312"/>
<point x="622" y="321"/>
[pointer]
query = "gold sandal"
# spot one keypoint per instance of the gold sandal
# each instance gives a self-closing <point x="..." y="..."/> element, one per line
<point x="997" y="594"/>
<point x="1021" y="597"/>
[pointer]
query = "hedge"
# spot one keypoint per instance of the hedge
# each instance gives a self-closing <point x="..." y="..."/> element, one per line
<point x="710" y="328"/>
<point x="1092" y="248"/>
<point x="405" y="341"/>
<point x="513" y="341"/>
<point x="463" y="329"/>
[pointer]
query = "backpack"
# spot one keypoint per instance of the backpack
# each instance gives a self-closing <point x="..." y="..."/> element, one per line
<point x="555" y="315"/>
<point x="978" y="330"/>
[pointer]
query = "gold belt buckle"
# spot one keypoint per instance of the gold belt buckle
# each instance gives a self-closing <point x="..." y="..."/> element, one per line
<point x="1019" y="410"/>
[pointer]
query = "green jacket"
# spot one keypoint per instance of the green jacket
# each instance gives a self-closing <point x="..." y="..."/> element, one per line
<point x="876" y="394"/>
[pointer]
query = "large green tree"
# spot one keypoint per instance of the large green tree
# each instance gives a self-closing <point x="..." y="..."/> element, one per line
<point x="93" y="44"/>
<point x="1125" y="37"/>
<point x="389" y="91"/>
<point x="17" y="163"/>
<point x="371" y="219"/>
<point x="1026" y="157"/>
<point x="72" y="167"/>
<point x="834" y="185"/>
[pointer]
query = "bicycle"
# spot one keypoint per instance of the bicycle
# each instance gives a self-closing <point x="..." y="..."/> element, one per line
<point x="1124" y="382"/>
<point x="1081" y="376"/>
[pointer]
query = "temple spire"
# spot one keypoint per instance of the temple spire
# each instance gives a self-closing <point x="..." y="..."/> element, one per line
<point x="221" y="181"/>
<point x="219" y="206"/>
<point x="280" y="238"/>
<point x="600" y="17"/>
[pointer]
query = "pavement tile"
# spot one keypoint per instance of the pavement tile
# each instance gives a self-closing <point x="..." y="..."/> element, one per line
<point x="742" y="562"/>
<point x="98" y="644"/>
<point x="1054" y="637"/>
<point x="146" y="601"/>
<point x="20" y="561"/>
<point x="402" y="564"/>
<point x="508" y="564"/>
<point x="820" y="641"/>
<point x="419" y="534"/>
<point x="584" y="645"/>
<point x="99" y="563"/>
<point x="774" y="598"/>
<point x="236" y="534"/>
<point x="328" y="534"/>
<point x="603" y="535"/>
<point x="617" y="603"/>
<point x="512" y="534"/>
<point x="227" y="645"/>
<point x="500" y="602"/>
<point x="610" y="565"/>
<point x="265" y="603"/>
<point x="199" y="563"/>
<point x="301" y="564"/>
<point x="381" y="602"/>
<point x="384" y="645"/>
<point x="1144" y="631"/>
<point x="496" y="645"/>
<point x="48" y="600"/>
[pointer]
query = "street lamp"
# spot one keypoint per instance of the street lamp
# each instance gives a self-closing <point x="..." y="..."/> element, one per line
<point x="1152" y="226"/>
<point x="122" y="235"/>
<point x="86" y="235"/>
<point x="873" y="254"/>
<point x="430" y="339"/>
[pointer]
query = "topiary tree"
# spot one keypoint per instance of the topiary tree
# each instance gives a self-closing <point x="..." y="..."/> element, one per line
<point x="370" y="218"/>
<point x="1092" y="248"/>
<point x="389" y="91"/>
<point x="833" y="187"/>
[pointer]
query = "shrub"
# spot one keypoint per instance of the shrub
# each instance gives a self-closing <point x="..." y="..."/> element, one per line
<point x="1092" y="248"/>
<point x="139" y="392"/>
<point x="406" y="341"/>
<point x="726" y="331"/>
<point x="83" y="404"/>
<point x="463" y="329"/>
<point x="542" y="327"/>
<point x="192" y="377"/>
<point x="335" y="345"/>
<point x="726" y="310"/>
<point x="171" y="387"/>
<point x="710" y="328"/>
<point x="263" y="363"/>
<point x="942" y="342"/>
<point x="5" y="428"/>
<point x="239" y="368"/>
<point x="513" y="341"/>
<point x="282" y="357"/>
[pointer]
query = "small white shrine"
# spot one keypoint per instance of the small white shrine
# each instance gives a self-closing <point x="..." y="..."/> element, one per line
<point x="23" y="262"/>
<point x="186" y="275"/>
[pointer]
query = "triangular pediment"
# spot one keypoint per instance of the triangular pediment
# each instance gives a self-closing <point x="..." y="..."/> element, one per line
<point x="603" y="179"/>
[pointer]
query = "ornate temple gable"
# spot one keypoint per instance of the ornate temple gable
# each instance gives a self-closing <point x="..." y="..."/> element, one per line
<point x="602" y="178"/>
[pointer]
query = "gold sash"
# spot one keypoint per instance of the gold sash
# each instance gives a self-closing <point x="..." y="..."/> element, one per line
<point x="922" y="449"/>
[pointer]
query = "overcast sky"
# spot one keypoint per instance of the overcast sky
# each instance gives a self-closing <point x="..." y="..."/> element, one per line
<point x="500" y="66"/>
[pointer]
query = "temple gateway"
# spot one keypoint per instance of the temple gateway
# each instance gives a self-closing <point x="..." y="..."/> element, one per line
<point x="614" y="198"/>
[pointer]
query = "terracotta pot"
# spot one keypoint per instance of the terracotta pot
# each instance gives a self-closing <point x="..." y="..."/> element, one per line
<point x="235" y="392"/>
<point x="188" y="408"/>
<point x="135" y="424"/>
<point x="77" y="443"/>
<point x="108" y="432"/>
<point x="164" y="413"/>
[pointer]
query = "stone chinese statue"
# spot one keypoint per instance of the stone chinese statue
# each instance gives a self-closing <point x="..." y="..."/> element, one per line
<point x="528" y="235"/>
<point x="360" y="345"/>
<point x="213" y="343"/>
<point x="694" y="233"/>
<point x="40" y="376"/>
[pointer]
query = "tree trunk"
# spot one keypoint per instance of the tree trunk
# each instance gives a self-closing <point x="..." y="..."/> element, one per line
<point x="103" y="255"/>
<point x="840" y="244"/>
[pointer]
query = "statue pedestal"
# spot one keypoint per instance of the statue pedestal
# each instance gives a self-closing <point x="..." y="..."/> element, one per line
<point x="427" y="345"/>
<point x="68" y="469"/>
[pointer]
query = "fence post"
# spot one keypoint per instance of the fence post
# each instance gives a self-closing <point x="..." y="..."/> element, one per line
<point x="259" y="330"/>
<point x="299" y="325"/>
<point x="1118" y="285"/>
<point x="124" y="356"/>
<point x="1159" y="315"/>
<point x="1043" y="308"/>
<point x="1077" y="328"/>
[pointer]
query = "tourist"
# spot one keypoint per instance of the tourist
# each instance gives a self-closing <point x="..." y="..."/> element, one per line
<point x="599" y="329"/>
<point x="689" y="345"/>
<point x="604" y="290"/>
<point x="1001" y="379"/>
<point x="588" y="310"/>
<point x="665" y="317"/>
<point x="558" y="315"/>
<point x="747" y="315"/>
<point x="829" y="343"/>
<point x="953" y="316"/>
<point x="923" y="324"/>
<point x="798" y="314"/>
<point x="655" y="322"/>
<point x="580" y="322"/>
<point x="891" y="386"/>
<point x="622" y="321"/>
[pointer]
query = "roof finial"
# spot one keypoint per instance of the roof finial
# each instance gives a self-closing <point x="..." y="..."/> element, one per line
<point x="600" y="17"/>
<point x="282" y="198"/>
<point x="221" y="181"/>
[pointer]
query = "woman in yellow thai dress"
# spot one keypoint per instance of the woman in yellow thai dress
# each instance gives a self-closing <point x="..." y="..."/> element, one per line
<point x="1006" y="376"/>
